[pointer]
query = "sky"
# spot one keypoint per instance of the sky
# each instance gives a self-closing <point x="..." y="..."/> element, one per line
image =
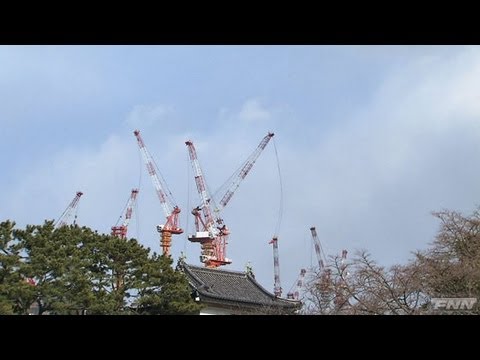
<point x="370" y="140"/>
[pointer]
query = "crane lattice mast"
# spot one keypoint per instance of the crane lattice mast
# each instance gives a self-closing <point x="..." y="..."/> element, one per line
<point x="277" y="288"/>
<point x="170" y="210"/>
<point x="68" y="212"/>
<point x="121" y="230"/>
<point x="341" y="290"/>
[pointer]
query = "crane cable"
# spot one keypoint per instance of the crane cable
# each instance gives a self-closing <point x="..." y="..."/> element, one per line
<point x="137" y="217"/>
<point x="188" y="204"/>
<point x="280" y="208"/>
<point x="123" y="212"/>
<point x="229" y="181"/>
<point x="166" y="189"/>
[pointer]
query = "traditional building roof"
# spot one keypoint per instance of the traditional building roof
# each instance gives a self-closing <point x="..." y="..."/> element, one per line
<point x="235" y="289"/>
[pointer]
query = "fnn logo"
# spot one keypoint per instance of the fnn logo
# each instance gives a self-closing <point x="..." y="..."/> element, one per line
<point x="453" y="303"/>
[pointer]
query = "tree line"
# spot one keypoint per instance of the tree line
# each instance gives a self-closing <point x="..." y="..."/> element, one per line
<point x="75" y="270"/>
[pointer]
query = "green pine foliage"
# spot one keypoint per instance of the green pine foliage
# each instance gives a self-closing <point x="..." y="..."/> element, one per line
<point x="76" y="270"/>
<point x="166" y="294"/>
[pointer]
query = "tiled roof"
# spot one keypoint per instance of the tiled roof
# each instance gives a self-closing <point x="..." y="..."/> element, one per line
<point x="233" y="288"/>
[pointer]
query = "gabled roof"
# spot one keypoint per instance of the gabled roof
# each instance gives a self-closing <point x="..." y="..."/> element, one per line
<point x="233" y="288"/>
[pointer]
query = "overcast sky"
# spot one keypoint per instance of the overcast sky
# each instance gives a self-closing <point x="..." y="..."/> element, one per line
<point x="370" y="139"/>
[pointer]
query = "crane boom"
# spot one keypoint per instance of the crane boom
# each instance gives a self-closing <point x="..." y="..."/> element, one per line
<point x="318" y="249"/>
<point x="170" y="210"/>
<point x="243" y="171"/>
<point x="277" y="288"/>
<point x="211" y="232"/>
<point x="67" y="213"/>
<point x="149" y="163"/>
<point x="202" y="189"/>
<point x="121" y="230"/>
<point x="294" y="293"/>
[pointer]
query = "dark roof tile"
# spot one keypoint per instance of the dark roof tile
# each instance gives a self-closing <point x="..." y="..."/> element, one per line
<point x="232" y="287"/>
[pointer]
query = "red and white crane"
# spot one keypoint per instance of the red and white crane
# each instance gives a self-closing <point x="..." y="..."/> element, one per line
<point x="325" y="280"/>
<point x="294" y="293"/>
<point x="243" y="171"/>
<point x="341" y="294"/>
<point x="211" y="232"/>
<point x="324" y="273"/>
<point x="64" y="219"/>
<point x="170" y="209"/>
<point x="322" y="260"/>
<point x="121" y="230"/>
<point x="277" y="288"/>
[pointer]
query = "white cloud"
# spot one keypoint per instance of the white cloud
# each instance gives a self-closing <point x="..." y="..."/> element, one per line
<point x="253" y="111"/>
<point x="148" y="115"/>
<point x="103" y="174"/>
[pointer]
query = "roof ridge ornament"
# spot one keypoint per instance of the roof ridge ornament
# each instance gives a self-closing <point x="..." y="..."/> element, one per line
<point x="181" y="260"/>
<point x="249" y="269"/>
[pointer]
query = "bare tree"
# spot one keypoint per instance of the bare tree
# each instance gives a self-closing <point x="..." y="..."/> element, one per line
<point x="450" y="267"/>
<point x="361" y="286"/>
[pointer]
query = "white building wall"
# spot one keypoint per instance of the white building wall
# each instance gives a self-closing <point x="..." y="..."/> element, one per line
<point x="210" y="310"/>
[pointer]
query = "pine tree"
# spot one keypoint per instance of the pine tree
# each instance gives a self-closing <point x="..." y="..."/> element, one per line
<point x="75" y="270"/>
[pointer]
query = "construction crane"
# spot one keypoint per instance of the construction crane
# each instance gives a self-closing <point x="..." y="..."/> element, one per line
<point x="325" y="281"/>
<point x="170" y="210"/>
<point x="277" y="288"/>
<point x="211" y="231"/>
<point x="121" y="230"/>
<point x="318" y="249"/>
<point x="341" y="293"/>
<point x="243" y="171"/>
<point x="64" y="219"/>
<point x="294" y="293"/>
